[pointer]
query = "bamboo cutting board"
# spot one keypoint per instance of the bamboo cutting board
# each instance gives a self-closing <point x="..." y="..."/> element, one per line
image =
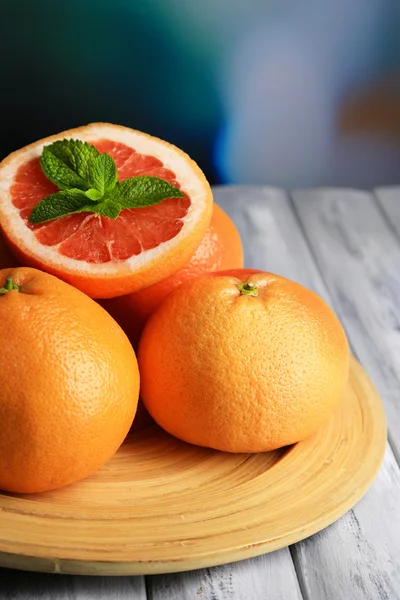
<point x="161" y="505"/>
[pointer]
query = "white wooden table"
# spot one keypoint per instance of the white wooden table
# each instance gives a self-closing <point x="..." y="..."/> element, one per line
<point x="345" y="245"/>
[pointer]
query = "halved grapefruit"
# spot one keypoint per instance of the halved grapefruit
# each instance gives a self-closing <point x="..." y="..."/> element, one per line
<point x="101" y="256"/>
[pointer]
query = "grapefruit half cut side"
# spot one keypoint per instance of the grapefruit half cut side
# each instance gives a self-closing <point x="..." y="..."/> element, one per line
<point x="104" y="257"/>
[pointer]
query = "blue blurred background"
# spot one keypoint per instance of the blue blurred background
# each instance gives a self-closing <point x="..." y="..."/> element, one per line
<point x="256" y="91"/>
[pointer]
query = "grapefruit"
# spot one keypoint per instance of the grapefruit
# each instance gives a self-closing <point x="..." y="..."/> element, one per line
<point x="69" y="383"/>
<point x="101" y="256"/>
<point x="242" y="361"/>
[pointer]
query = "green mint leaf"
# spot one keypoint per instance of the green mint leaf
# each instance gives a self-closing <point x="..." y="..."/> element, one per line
<point x="143" y="191"/>
<point x="59" y="173"/>
<point x="58" y="205"/>
<point x="68" y="163"/>
<point x="103" y="175"/>
<point x="107" y="208"/>
<point x="78" y="155"/>
<point x="94" y="195"/>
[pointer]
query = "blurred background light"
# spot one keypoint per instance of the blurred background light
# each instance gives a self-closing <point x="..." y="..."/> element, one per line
<point x="257" y="91"/>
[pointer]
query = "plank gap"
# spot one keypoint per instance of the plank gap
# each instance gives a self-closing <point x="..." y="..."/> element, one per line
<point x="148" y="588"/>
<point x="300" y="573"/>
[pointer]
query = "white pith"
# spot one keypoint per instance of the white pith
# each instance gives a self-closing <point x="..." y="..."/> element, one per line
<point x="187" y="173"/>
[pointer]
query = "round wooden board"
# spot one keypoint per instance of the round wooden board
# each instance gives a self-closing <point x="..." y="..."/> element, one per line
<point x="161" y="505"/>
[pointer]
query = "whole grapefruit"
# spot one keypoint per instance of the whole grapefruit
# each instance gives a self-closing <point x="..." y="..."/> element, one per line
<point x="69" y="383"/>
<point x="242" y="361"/>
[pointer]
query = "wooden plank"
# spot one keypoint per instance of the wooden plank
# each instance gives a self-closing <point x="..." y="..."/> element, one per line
<point x="20" y="585"/>
<point x="359" y="258"/>
<point x="389" y="200"/>
<point x="268" y="577"/>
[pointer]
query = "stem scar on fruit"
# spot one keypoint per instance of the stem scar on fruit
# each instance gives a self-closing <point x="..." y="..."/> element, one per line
<point x="9" y="286"/>
<point x="247" y="288"/>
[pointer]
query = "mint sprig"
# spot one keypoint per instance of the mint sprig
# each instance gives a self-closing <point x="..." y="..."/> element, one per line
<point x="88" y="182"/>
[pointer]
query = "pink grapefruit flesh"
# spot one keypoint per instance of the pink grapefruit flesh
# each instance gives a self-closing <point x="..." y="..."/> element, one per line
<point x="94" y="239"/>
